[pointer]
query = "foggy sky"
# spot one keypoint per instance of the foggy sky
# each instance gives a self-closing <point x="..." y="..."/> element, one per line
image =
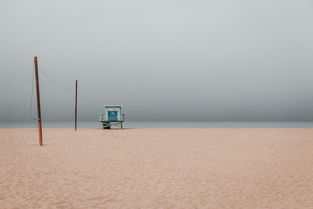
<point x="161" y="60"/>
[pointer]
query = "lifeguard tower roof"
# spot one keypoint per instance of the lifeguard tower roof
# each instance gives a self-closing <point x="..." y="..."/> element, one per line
<point x="113" y="106"/>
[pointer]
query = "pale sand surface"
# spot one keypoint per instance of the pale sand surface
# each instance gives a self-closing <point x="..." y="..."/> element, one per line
<point x="157" y="168"/>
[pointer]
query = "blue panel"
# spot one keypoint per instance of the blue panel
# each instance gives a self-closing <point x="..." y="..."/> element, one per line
<point x="112" y="115"/>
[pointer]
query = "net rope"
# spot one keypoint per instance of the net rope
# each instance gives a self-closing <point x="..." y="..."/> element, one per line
<point x="31" y="112"/>
<point x="42" y="69"/>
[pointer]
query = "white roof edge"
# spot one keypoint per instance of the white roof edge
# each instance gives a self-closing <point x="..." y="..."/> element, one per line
<point x="112" y="105"/>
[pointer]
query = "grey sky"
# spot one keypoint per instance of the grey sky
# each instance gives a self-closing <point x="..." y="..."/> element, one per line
<point x="162" y="60"/>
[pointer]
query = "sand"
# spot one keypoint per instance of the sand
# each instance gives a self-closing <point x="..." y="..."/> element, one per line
<point x="157" y="168"/>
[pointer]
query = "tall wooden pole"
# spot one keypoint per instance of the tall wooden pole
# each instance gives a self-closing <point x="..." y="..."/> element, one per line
<point x="38" y="101"/>
<point x="76" y="105"/>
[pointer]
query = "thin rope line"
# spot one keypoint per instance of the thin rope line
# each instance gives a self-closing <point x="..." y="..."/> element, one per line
<point x="32" y="98"/>
<point x="52" y="81"/>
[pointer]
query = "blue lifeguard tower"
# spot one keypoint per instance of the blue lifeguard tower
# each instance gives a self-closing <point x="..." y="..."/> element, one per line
<point x="112" y="115"/>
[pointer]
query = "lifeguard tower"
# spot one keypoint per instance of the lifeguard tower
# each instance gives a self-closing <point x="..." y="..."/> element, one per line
<point x="112" y="115"/>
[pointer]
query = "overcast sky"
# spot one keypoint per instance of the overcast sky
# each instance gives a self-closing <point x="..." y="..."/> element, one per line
<point x="160" y="59"/>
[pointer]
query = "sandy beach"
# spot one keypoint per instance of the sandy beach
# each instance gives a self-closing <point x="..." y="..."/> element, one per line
<point x="157" y="168"/>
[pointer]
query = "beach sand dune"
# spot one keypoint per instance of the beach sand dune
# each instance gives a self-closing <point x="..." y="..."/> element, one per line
<point x="157" y="168"/>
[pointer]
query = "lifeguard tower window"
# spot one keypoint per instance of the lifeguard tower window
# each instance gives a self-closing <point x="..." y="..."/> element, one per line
<point x="113" y="115"/>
